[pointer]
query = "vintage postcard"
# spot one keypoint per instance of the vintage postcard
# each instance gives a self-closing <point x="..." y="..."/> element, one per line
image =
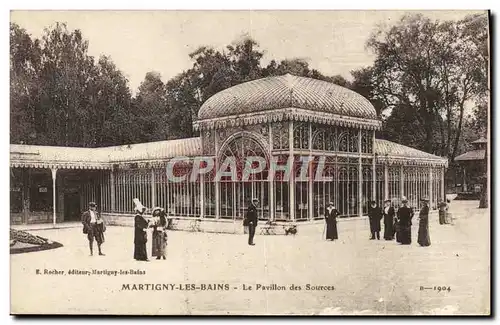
<point x="250" y="163"/>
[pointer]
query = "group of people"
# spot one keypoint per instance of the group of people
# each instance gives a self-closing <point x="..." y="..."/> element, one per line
<point x="397" y="224"/>
<point x="94" y="227"/>
<point x="444" y="215"/>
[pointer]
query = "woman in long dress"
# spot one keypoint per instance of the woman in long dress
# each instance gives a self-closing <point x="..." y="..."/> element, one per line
<point x="388" y="220"/>
<point x="405" y="214"/>
<point x="140" y="234"/>
<point x="423" y="225"/>
<point x="331" y="222"/>
<point x="159" y="241"/>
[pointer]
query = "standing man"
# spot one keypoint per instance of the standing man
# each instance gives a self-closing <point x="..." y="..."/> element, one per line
<point x="405" y="214"/>
<point x="375" y="215"/>
<point x="252" y="220"/>
<point x="94" y="227"/>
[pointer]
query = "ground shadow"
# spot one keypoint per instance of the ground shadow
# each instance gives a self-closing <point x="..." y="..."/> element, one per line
<point x="39" y="248"/>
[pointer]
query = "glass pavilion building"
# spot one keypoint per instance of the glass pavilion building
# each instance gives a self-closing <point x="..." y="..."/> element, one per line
<point x="284" y="119"/>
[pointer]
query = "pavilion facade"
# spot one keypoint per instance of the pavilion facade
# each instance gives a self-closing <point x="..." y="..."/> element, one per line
<point x="287" y="119"/>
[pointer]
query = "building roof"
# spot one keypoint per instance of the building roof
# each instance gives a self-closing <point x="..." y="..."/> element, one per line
<point x="481" y="140"/>
<point x="57" y="157"/>
<point x="101" y="158"/>
<point x="471" y="155"/>
<point x="153" y="153"/>
<point x="287" y="97"/>
<point x="396" y="153"/>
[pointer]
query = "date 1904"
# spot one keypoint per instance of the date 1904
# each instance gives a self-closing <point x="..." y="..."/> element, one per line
<point x="436" y="288"/>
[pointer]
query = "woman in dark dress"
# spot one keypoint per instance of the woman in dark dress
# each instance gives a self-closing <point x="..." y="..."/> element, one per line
<point x="159" y="242"/>
<point x="140" y="234"/>
<point x="331" y="222"/>
<point x="405" y="214"/>
<point x="423" y="225"/>
<point x="388" y="220"/>
<point x="375" y="215"/>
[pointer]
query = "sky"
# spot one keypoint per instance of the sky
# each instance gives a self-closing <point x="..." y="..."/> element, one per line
<point x="141" y="41"/>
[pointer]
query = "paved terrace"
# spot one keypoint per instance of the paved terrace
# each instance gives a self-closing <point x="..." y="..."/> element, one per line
<point x="370" y="277"/>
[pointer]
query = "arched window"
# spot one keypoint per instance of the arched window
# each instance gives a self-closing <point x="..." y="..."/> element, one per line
<point x="236" y="195"/>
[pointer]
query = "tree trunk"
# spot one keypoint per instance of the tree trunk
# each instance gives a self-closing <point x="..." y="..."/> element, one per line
<point x="459" y="130"/>
<point x="483" y="202"/>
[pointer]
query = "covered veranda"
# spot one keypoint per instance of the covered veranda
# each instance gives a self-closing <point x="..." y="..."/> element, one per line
<point x="54" y="184"/>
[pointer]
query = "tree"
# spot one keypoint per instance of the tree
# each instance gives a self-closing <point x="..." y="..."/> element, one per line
<point x="115" y="119"/>
<point x="211" y="72"/>
<point x="364" y="84"/>
<point x="477" y="36"/>
<point x="245" y="59"/>
<point x="150" y="109"/>
<point x="25" y="56"/>
<point x="67" y="71"/>
<point x="60" y="96"/>
<point x="184" y="101"/>
<point x="297" y="67"/>
<point x="430" y="70"/>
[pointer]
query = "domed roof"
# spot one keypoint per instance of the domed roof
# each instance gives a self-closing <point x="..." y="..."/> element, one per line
<point x="287" y="91"/>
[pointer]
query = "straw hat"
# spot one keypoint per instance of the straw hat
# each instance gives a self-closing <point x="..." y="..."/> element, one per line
<point x="156" y="209"/>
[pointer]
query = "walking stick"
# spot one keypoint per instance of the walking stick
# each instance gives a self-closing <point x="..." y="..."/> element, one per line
<point x="324" y="230"/>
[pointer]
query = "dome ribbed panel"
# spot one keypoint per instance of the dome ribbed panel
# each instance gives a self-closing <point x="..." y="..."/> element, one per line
<point x="286" y="91"/>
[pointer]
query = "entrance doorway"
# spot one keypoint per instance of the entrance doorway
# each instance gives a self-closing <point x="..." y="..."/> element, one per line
<point x="72" y="207"/>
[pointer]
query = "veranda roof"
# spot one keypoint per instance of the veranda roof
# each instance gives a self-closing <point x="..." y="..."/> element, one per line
<point x="101" y="158"/>
<point x="57" y="157"/>
<point x="471" y="155"/>
<point x="152" y="152"/>
<point x="395" y="153"/>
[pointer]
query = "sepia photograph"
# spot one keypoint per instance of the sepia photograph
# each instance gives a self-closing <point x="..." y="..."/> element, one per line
<point x="250" y="162"/>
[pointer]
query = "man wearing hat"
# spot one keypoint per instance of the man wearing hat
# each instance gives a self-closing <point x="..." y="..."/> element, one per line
<point x="389" y="214"/>
<point x="94" y="227"/>
<point x="251" y="220"/>
<point x="375" y="215"/>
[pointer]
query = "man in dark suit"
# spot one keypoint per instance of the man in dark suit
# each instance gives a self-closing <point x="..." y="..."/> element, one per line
<point x="375" y="215"/>
<point x="94" y="227"/>
<point x="252" y="220"/>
